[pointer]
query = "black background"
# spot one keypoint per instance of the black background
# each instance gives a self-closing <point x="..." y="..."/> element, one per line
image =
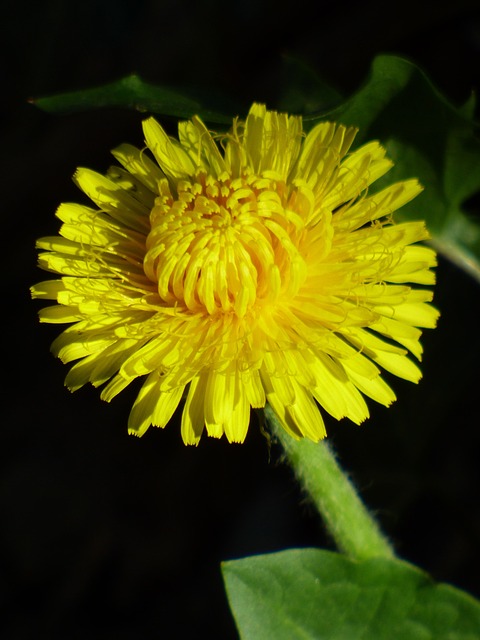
<point x="106" y="536"/>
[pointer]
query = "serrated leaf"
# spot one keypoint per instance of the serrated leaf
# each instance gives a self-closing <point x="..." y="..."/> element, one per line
<point x="397" y="84"/>
<point x="307" y="594"/>
<point x="428" y="138"/>
<point x="132" y="92"/>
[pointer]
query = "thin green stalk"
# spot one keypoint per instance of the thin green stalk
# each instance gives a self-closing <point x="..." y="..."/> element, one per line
<point x="354" y="530"/>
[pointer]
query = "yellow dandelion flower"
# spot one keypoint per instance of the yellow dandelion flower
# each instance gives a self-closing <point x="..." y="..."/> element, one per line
<point x="233" y="271"/>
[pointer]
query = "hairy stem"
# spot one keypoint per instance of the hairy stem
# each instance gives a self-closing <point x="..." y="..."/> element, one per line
<point x="353" y="528"/>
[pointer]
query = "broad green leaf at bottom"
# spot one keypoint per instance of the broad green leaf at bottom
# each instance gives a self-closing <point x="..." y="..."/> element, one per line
<point x="306" y="594"/>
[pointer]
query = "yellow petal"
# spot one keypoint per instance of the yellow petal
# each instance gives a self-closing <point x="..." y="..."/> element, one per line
<point x="193" y="419"/>
<point x="169" y="153"/>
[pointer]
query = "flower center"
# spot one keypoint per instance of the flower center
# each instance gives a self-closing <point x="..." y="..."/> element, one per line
<point x="224" y="244"/>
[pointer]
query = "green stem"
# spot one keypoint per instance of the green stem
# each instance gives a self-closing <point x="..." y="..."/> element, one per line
<point x="354" y="530"/>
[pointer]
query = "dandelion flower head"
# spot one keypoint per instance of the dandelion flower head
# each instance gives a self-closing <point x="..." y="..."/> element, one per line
<point x="227" y="271"/>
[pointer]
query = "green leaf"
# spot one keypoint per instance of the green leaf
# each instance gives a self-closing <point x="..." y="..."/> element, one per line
<point x="132" y="92"/>
<point x="396" y="86"/>
<point x="428" y="138"/>
<point x="304" y="594"/>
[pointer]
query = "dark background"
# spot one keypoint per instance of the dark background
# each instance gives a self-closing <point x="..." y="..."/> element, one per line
<point x="106" y="536"/>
